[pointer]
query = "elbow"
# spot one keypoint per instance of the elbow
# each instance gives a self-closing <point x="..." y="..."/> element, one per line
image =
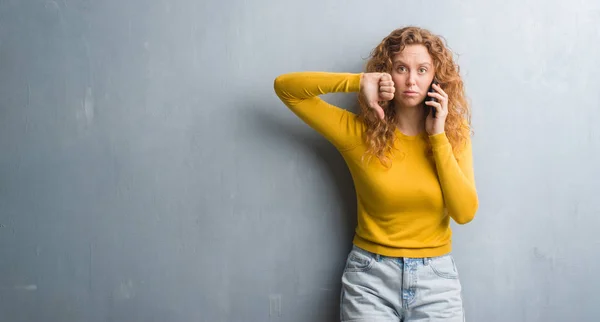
<point x="279" y="84"/>
<point x="467" y="214"/>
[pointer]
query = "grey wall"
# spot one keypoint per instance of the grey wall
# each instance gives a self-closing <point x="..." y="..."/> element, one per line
<point x="149" y="173"/>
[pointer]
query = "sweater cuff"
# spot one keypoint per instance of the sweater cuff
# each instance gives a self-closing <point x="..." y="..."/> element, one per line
<point x="354" y="85"/>
<point x="439" y="140"/>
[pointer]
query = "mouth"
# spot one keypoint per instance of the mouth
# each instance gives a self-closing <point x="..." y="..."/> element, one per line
<point x="410" y="93"/>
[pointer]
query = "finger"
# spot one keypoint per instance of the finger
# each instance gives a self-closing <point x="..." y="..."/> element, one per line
<point x="387" y="96"/>
<point x="379" y="111"/>
<point x="442" y="100"/>
<point x="436" y="95"/>
<point x="387" y="89"/>
<point x="440" y="90"/>
<point x="385" y="77"/>
<point x="386" y="83"/>
<point x="438" y="107"/>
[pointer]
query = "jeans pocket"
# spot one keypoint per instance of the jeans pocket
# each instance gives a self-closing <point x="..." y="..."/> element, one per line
<point x="358" y="261"/>
<point x="444" y="267"/>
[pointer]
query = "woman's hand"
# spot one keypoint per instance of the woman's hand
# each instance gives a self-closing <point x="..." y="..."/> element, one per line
<point x="435" y="125"/>
<point x="375" y="88"/>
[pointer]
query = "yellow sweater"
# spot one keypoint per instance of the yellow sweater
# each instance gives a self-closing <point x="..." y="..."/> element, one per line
<point x="405" y="210"/>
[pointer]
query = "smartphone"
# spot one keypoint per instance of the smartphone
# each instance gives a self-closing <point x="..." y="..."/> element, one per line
<point x="432" y="99"/>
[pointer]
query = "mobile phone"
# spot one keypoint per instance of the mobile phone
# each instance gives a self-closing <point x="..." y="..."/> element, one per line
<point x="432" y="99"/>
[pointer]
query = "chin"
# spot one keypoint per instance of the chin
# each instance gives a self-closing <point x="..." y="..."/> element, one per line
<point x="410" y="102"/>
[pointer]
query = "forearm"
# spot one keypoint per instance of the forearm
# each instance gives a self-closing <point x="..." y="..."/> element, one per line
<point x="456" y="179"/>
<point x="294" y="87"/>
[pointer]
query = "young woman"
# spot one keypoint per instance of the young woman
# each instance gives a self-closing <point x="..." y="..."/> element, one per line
<point x="411" y="162"/>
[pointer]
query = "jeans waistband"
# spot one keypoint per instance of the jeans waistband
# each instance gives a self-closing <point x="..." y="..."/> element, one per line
<point x="379" y="257"/>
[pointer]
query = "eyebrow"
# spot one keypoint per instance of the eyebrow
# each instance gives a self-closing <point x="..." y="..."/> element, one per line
<point x="403" y="63"/>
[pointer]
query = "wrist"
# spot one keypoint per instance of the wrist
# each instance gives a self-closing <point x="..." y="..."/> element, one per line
<point x="436" y="131"/>
<point x="438" y="139"/>
<point x="361" y="81"/>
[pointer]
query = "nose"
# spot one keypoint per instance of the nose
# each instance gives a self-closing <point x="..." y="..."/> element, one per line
<point x="411" y="79"/>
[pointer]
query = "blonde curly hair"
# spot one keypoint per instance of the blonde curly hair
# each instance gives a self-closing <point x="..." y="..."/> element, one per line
<point x="380" y="134"/>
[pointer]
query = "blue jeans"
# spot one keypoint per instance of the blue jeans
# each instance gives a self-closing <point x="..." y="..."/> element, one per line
<point x="378" y="288"/>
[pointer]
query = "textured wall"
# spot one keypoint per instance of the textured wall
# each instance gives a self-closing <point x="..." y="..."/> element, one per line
<point x="149" y="173"/>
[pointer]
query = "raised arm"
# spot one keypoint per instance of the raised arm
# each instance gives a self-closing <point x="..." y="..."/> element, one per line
<point x="300" y="92"/>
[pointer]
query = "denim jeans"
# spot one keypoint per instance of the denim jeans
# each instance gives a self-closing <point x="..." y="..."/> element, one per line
<point x="378" y="288"/>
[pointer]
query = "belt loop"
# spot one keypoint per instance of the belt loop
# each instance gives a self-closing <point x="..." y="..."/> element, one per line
<point x="425" y="261"/>
<point x="378" y="257"/>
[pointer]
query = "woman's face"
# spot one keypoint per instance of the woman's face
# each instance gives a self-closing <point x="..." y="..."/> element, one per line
<point x="412" y="73"/>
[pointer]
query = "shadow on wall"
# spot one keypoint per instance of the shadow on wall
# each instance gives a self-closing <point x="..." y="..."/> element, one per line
<point x="273" y="128"/>
<point x="304" y="138"/>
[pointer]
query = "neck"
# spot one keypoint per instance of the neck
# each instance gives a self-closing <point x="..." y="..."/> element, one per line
<point x="410" y="120"/>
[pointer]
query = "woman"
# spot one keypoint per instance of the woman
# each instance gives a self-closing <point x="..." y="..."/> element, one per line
<point x="410" y="159"/>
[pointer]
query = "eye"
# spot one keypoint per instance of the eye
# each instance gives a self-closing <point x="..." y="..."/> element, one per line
<point x="401" y="68"/>
<point x="422" y="70"/>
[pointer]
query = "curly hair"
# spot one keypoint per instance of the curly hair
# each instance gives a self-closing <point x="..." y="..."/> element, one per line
<point x="380" y="134"/>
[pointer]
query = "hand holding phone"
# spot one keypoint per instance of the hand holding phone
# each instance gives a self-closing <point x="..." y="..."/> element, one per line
<point x="437" y="99"/>
<point x="429" y="98"/>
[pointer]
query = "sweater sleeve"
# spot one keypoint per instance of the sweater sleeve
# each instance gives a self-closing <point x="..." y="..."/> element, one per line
<point x="300" y="92"/>
<point x="456" y="178"/>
